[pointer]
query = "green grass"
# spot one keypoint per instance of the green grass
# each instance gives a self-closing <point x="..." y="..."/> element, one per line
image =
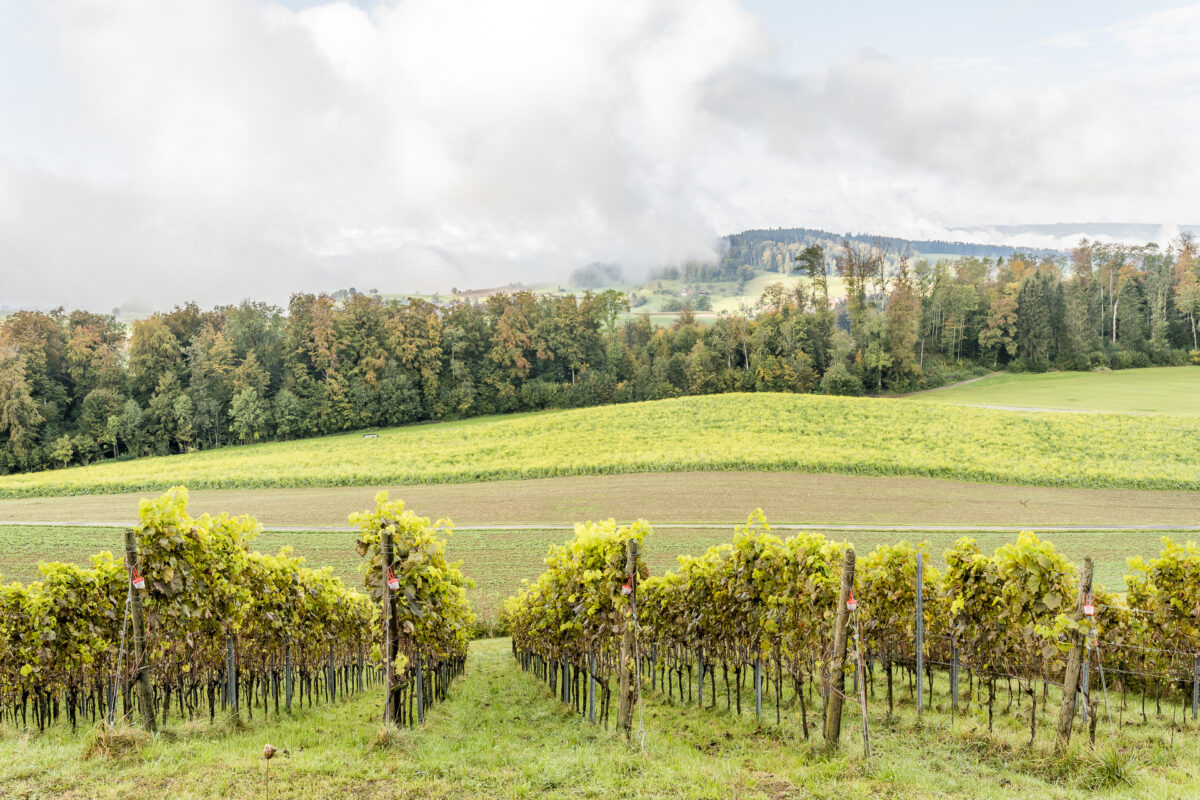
<point x="502" y="735"/>
<point x="497" y="561"/>
<point x="783" y="432"/>
<point x="1165" y="390"/>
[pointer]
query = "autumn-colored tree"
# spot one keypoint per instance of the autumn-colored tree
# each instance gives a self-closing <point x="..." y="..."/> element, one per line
<point x="903" y="326"/>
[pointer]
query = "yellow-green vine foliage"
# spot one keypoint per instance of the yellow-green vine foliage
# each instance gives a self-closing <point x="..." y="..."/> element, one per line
<point x="575" y="608"/>
<point x="887" y="578"/>
<point x="759" y="597"/>
<point x="60" y="635"/>
<point x="431" y="608"/>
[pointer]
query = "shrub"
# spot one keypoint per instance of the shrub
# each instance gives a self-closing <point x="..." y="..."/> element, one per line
<point x="839" y="380"/>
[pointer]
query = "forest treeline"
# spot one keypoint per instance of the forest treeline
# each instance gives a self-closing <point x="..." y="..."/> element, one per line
<point x="78" y="387"/>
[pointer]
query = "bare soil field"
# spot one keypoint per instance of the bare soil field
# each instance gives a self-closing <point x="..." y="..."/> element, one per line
<point x="700" y="497"/>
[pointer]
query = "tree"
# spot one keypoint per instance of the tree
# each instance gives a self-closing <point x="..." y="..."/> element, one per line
<point x="63" y="450"/>
<point x="249" y="416"/>
<point x="999" y="335"/>
<point x="1187" y="300"/>
<point x="700" y="370"/>
<point x="19" y="416"/>
<point x="1129" y="317"/>
<point x="612" y="304"/>
<point x="876" y="361"/>
<point x="252" y="375"/>
<point x="1035" y="326"/>
<point x="153" y="351"/>
<point x="862" y="270"/>
<point x="839" y="380"/>
<point x="903" y="326"/>
<point x="183" y="414"/>
<point x="211" y="362"/>
<point x="160" y="414"/>
<point x="129" y="426"/>
<point x="288" y="414"/>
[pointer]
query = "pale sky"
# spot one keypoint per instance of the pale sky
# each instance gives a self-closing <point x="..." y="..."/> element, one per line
<point x="163" y="150"/>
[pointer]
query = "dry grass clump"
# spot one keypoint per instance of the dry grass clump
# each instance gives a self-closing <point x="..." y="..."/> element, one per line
<point x="114" y="743"/>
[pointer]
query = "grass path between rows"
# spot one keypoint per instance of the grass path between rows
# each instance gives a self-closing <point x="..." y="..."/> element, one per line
<point x="501" y="735"/>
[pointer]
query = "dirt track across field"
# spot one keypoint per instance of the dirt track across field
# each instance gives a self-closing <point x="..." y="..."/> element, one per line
<point x="697" y="497"/>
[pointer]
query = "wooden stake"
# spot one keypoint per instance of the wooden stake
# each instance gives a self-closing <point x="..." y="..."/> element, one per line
<point x="388" y="677"/>
<point x="145" y="696"/>
<point x="920" y="621"/>
<point x="626" y="668"/>
<point x="833" y="708"/>
<point x="1066" y="712"/>
<point x="862" y="685"/>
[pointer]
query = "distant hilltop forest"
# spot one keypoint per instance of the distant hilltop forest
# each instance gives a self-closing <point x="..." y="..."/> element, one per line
<point x="776" y="249"/>
<point x="749" y="246"/>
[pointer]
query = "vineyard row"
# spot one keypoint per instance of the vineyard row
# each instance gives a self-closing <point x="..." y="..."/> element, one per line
<point x="192" y="622"/>
<point x="803" y="615"/>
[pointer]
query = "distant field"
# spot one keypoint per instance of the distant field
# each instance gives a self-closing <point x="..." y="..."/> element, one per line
<point x="760" y="432"/>
<point x="1165" y="390"/>
<point x="663" y="319"/>
<point x="498" y="560"/>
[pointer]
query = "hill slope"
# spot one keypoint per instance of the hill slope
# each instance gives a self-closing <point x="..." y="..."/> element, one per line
<point x="1166" y="390"/>
<point x="778" y="432"/>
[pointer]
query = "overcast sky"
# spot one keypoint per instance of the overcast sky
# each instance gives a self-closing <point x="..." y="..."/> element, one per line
<point x="164" y="150"/>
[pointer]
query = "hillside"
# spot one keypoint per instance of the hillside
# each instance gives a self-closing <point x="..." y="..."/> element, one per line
<point x="749" y="247"/>
<point x="760" y="431"/>
<point x="1165" y="390"/>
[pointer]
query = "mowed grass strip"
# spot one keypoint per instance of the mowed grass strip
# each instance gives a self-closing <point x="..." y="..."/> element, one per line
<point x="1154" y="390"/>
<point x="784" y="432"/>
<point x="498" y="560"/>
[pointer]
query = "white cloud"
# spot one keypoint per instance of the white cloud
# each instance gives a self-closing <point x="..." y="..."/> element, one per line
<point x="254" y="150"/>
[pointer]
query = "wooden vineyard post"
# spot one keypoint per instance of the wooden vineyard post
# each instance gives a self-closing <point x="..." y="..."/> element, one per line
<point x="591" y="688"/>
<point x="420" y="690"/>
<point x="1066" y="713"/>
<point x="231" y="675"/>
<point x="920" y="634"/>
<point x="954" y="673"/>
<point x="287" y="659"/>
<point x="145" y="696"/>
<point x="332" y="677"/>
<point x="626" y="668"/>
<point x="833" y="708"/>
<point x="384" y="566"/>
<point x="758" y="686"/>
<point x="1195" y="686"/>
<point x="1085" y="687"/>
<point x="860" y="675"/>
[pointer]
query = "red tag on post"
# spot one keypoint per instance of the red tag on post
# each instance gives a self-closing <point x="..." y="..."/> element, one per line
<point x="851" y="603"/>
<point x="1089" y="610"/>
<point x="393" y="582"/>
<point x="138" y="581"/>
<point x="627" y="589"/>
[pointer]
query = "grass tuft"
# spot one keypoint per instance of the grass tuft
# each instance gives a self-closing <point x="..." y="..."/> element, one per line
<point x="105" y="742"/>
<point x="1107" y="768"/>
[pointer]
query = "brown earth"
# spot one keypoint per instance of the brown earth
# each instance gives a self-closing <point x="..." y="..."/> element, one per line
<point x="700" y="497"/>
